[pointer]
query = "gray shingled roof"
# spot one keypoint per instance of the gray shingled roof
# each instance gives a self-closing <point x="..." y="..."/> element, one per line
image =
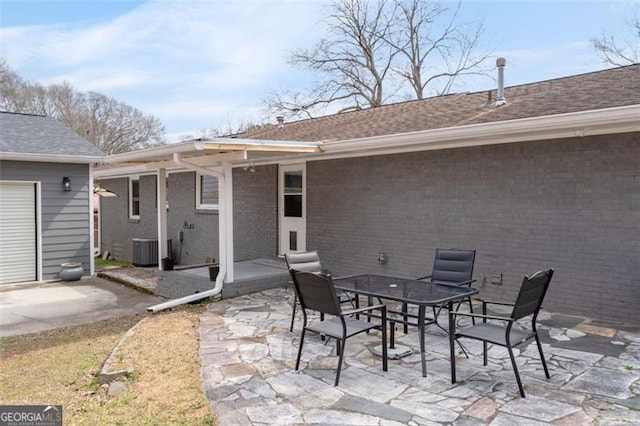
<point x="38" y="135"/>
<point x="597" y="90"/>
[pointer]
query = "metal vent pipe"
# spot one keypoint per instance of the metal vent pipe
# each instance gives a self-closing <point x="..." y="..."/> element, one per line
<point x="500" y="100"/>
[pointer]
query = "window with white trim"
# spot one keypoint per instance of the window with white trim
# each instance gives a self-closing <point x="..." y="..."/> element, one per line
<point x="134" y="197"/>
<point x="207" y="192"/>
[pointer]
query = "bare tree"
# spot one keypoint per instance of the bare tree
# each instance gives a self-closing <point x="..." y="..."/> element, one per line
<point x="437" y="50"/>
<point x="619" y="53"/>
<point x="374" y="49"/>
<point x="110" y="125"/>
<point x="353" y="61"/>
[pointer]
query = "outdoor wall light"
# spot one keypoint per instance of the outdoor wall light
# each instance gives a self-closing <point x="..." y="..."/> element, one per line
<point x="382" y="257"/>
<point x="66" y="184"/>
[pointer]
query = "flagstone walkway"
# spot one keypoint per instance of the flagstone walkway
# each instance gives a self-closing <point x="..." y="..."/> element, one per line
<point x="248" y="358"/>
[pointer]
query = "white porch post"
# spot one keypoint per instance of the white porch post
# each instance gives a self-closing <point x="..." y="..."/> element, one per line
<point x="226" y="221"/>
<point x="162" y="215"/>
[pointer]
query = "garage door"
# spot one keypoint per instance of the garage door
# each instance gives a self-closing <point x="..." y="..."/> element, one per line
<point x="18" y="238"/>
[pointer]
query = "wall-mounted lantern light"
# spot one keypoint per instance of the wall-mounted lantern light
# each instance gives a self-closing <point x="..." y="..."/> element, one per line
<point x="66" y="184"/>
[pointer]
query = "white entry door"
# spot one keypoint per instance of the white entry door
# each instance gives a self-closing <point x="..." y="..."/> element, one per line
<point x="292" y="208"/>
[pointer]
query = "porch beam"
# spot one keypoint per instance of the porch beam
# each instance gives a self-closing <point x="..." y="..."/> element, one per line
<point x="203" y="160"/>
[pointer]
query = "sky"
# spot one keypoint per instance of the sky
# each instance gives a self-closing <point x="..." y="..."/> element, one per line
<point x="198" y="64"/>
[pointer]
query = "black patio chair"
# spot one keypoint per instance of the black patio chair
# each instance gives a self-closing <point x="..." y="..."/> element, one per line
<point x="450" y="266"/>
<point x="528" y="303"/>
<point x="317" y="293"/>
<point x="310" y="262"/>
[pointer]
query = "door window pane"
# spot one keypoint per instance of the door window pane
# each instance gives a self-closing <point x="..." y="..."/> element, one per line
<point x="293" y="182"/>
<point x="293" y="205"/>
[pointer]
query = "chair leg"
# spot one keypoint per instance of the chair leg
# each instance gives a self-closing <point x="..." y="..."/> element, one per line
<point x="293" y="314"/>
<point x="392" y="332"/>
<point x="473" y="319"/>
<point x="341" y="343"/>
<point x="322" y="336"/>
<point x="452" y="347"/>
<point x="484" y="353"/>
<point x="300" y="348"/>
<point x="544" y="363"/>
<point x="405" y="326"/>
<point x="515" y="371"/>
<point x="435" y="314"/>
<point x="356" y="298"/>
<point x="384" y="339"/>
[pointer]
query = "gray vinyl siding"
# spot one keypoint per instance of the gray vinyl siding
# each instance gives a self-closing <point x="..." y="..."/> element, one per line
<point x="64" y="215"/>
<point x="572" y="205"/>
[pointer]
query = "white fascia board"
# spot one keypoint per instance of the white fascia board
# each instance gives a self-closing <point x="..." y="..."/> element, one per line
<point x="576" y="124"/>
<point x="121" y="172"/>
<point x="49" y="158"/>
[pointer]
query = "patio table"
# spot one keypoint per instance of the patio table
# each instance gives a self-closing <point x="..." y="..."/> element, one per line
<point x="414" y="292"/>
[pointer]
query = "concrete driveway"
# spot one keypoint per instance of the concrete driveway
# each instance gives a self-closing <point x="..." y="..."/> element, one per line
<point x="29" y="308"/>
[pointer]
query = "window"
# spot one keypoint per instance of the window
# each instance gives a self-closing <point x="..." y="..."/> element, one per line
<point x="206" y="192"/>
<point x="134" y="197"/>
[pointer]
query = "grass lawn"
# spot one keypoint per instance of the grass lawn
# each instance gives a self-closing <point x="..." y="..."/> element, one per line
<point x="60" y="367"/>
<point x="100" y="262"/>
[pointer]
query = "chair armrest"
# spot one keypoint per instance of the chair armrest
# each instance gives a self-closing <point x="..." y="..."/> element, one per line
<point x="465" y="283"/>
<point x="424" y="278"/>
<point x="365" y="309"/>
<point x="497" y="303"/>
<point x="491" y="317"/>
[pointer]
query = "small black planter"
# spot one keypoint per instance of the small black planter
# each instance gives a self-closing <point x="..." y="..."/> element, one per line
<point x="167" y="264"/>
<point x="213" y="272"/>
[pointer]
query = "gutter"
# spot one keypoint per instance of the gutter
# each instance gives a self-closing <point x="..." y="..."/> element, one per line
<point x="217" y="289"/>
<point x="575" y="124"/>
<point x="186" y="299"/>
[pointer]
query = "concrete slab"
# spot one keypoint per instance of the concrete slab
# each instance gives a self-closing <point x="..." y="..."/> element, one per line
<point x="34" y="307"/>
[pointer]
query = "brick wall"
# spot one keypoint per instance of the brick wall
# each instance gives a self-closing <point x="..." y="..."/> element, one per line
<point x="255" y="217"/>
<point x="117" y="230"/>
<point x="573" y="205"/>
<point x="255" y="213"/>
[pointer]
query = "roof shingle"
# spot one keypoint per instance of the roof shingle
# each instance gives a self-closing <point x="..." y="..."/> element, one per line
<point x="596" y="90"/>
<point x="39" y="135"/>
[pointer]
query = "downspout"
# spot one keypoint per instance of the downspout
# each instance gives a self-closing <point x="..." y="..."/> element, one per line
<point x="222" y="236"/>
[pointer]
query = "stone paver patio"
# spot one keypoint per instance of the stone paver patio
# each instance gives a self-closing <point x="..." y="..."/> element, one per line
<point x="248" y="357"/>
